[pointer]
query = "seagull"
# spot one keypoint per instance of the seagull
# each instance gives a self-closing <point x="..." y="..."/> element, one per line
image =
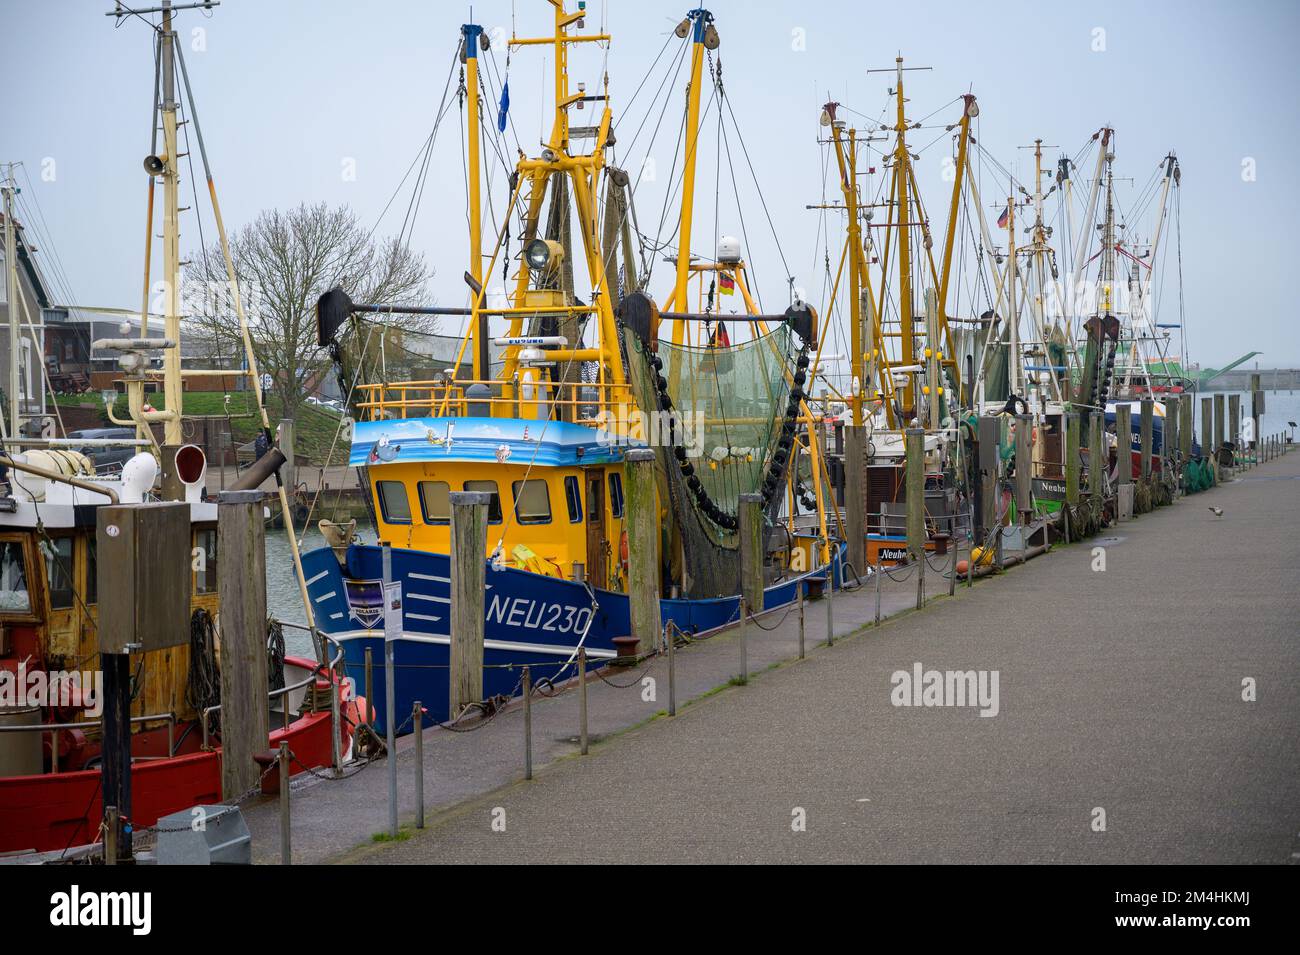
<point x="1218" y="511"/>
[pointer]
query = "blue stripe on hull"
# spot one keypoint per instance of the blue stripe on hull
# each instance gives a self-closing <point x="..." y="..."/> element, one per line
<point x="531" y="619"/>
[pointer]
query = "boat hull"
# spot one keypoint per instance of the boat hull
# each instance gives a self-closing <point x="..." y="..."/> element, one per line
<point x="531" y="619"/>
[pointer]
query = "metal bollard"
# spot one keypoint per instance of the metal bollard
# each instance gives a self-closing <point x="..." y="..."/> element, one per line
<point x="830" y="613"/>
<point x="417" y="727"/>
<point x="370" y="689"/>
<point x="672" y="669"/>
<point x="744" y="655"/>
<point x="286" y="856"/>
<point x="528" y="722"/>
<point x="799" y="591"/>
<point x="582" y="698"/>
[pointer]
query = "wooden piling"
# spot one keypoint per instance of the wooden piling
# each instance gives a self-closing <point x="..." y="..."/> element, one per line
<point x="750" y="513"/>
<point x="1096" y="459"/>
<point x="1256" y="412"/>
<point x="641" y="521"/>
<point x="1148" y="432"/>
<point x="1219" y="433"/>
<point x="1124" y="441"/>
<point x="1186" y="427"/>
<point x="1207" y="426"/>
<point x="469" y="517"/>
<point x="914" y="461"/>
<point x="1024" y="468"/>
<point x="288" y="473"/>
<point x="1169" y="441"/>
<point x="1234" y="424"/>
<point x="1072" y="458"/>
<point x="855" y="494"/>
<point x="241" y="581"/>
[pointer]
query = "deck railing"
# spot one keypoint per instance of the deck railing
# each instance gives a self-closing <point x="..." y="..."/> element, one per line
<point x="576" y="401"/>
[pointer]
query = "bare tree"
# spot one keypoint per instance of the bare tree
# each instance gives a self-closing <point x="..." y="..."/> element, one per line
<point x="284" y="260"/>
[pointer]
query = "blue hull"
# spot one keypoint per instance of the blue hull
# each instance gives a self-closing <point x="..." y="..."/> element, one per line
<point x="531" y="619"/>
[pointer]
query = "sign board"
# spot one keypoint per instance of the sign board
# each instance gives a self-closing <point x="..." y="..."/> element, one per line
<point x="267" y="381"/>
<point x="1049" y="489"/>
<point x="392" y="611"/>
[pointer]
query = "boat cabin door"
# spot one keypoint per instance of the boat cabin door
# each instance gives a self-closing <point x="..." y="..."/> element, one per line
<point x="597" y="542"/>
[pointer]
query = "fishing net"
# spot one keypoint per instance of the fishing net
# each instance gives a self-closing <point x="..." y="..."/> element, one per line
<point x="722" y="419"/>
<point x="732" y="401"/>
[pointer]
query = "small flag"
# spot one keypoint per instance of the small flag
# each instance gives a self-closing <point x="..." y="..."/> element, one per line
<point x="504" y="108"/>
<point x="726" y="284"/>
<point x="721" y="338"/>
<point x="1006" y="214"/>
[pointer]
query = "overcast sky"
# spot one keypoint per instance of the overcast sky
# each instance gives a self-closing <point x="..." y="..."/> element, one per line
<point x="293" y="95"/>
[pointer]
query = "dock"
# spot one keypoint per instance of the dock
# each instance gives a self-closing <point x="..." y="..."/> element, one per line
<point x="1122" y="730"/>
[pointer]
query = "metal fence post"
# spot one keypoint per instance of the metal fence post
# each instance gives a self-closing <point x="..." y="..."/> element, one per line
<point x="879" y="565"/>
<point x="528" y="722"/>
<point x="799" y="590"/>
<point x="286" y="855"/>
<point x="417" y="723"/>
<point x="672" y="669"/>
<point x="582" y="698"/>
<point x="744" y="655"/>
<point x="830" y="612"/>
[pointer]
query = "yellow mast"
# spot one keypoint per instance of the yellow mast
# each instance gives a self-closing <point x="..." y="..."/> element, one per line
<point x="969" y="110"/>
<point x="172" y="393"/>
<point x="584" y="173"/>
<point x="902" y="162"/>
<point x="698" y="22"/>
<point x="470" y="39"/>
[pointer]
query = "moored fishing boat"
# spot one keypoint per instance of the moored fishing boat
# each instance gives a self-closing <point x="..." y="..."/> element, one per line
<point x="584" y="381"/>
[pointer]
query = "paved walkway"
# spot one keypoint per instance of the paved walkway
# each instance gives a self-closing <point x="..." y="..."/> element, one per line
<point x="1118" y="690"/>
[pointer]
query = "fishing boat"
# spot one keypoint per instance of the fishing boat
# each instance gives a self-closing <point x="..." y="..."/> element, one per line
<point x="53" y="677"/>
<point x="583" y="382"/>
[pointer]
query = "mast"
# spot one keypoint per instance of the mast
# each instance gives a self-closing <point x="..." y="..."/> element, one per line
<point x="12" y="292"/>
<point x="172" y="392"/>
<point x="903" y="208"/>
<point x="471" y="36"/>
<point x="970" y="109"/>
<point x="699" y="21"/>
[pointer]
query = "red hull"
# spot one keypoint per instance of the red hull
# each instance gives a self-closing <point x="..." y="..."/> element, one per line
<point x="55" y="810"/>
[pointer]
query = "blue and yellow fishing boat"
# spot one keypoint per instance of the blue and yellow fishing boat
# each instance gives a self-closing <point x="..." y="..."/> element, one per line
<point x="545" y="432"/>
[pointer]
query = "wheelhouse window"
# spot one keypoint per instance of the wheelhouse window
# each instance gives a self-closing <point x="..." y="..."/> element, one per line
<point x="58" y="571"/>
<point x="532" y="502"/>
<point x="393" y="502"/>
<point x="14" y="596"/>
<point x="494" y="503"/>
<point x="205" y="561"/>
<point x="434" y="502"/>
<point x="616" y="495"/>
<point x="573" y="497"/>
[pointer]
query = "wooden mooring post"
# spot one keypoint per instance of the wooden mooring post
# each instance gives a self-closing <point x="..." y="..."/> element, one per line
<point x="1124" y="461"/>
<point x="241" y="581"/>
<point x="914" y="482"/>
<point x="1024" y="468"/>
<point x="1072" y="467"/>
<point x="1219" y="434"/>
<point x="855" y="495"/>
<point x="1148" y="408"/>
<point x="1169" y="442"/>
<point x="1207" y="427"/>
<point x="1096" y="460"/>
<point x="642" y="525"/>
<point x="468" y="571"/>
<point x="1234" y="425"/>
